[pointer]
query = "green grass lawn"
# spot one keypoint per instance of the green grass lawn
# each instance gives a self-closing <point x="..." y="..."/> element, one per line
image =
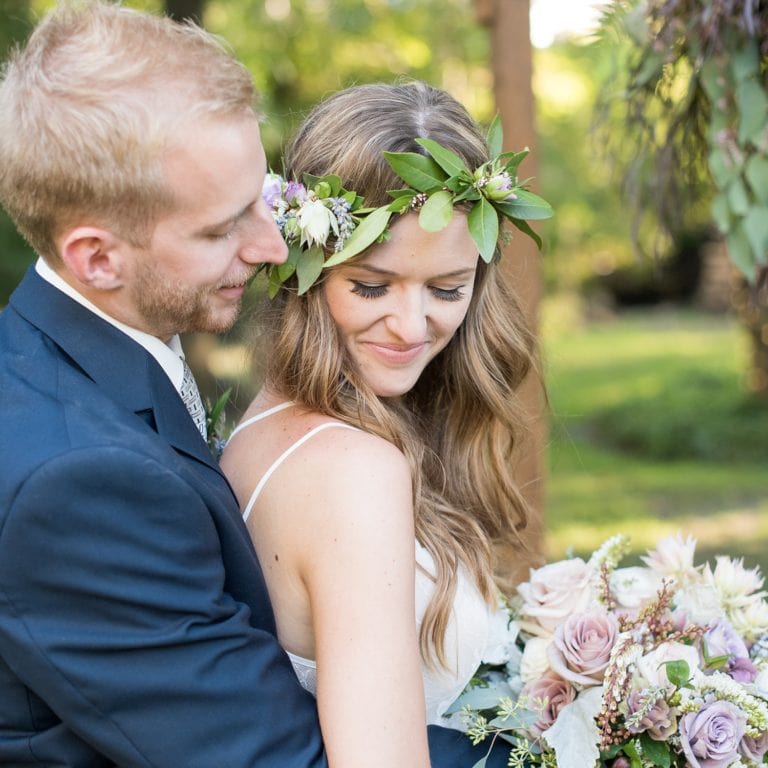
<point x="652" y="432"/>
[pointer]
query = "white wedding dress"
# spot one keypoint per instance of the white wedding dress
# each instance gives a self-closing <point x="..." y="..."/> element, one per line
<point x="469" y="631"/>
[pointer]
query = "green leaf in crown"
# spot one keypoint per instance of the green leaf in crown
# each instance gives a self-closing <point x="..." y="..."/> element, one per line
<point x="325" y="225"/>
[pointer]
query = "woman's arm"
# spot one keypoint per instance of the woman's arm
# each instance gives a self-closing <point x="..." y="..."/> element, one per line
<point x="357" y="560"/>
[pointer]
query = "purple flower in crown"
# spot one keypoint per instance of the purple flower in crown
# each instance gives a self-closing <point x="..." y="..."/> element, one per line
<point x="295" y="193"/>
<point x="272" y="189"/>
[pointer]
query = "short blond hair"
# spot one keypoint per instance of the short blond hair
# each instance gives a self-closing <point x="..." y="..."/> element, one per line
<point x="89" y="106"/>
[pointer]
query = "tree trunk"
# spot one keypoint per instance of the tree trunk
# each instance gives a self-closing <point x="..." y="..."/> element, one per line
<point x="751" y="303"/>
<point x="512" y="64"/>
<point x="185" y="9"/>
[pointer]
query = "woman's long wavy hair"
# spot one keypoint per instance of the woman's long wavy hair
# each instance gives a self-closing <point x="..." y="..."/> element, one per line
<point x="459" y="424"/>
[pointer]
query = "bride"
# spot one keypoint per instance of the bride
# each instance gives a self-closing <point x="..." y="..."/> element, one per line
<point x="377" y="455"/>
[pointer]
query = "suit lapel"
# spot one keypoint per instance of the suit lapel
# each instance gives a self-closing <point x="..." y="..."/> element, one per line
<point x="120" y="366"/>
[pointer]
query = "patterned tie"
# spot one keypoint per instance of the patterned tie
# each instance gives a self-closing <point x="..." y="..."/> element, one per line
<point x="190" y="394"/>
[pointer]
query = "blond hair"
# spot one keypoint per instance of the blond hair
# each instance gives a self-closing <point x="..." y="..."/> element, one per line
<point x="89" y="106"/>
<point x="460" y="423"/>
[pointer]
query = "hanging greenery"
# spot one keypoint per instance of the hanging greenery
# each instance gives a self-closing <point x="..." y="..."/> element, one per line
<point x="691" y="79"/>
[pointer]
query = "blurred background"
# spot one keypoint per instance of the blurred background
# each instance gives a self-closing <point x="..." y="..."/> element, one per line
<point x="650" y="126"/>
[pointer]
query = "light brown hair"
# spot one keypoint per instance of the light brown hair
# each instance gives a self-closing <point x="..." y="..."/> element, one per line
<point x="89" y="106"/>
<point x="460" y="423"/>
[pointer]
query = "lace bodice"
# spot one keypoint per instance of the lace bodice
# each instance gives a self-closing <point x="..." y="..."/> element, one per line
<point x="468" y="632"/>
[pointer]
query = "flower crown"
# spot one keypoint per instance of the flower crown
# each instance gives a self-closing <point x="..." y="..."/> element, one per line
<point x="319" y="213"/>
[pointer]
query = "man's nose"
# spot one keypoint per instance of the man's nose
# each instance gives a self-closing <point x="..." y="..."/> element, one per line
<point x="263" y="243"/>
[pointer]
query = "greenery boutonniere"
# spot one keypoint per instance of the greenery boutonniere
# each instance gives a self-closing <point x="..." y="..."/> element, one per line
<point x="216" y="424"/>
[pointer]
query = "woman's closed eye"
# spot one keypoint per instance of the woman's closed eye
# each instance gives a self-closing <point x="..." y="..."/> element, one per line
<point x="368" y="291"/>
<point x="447" y="294"/>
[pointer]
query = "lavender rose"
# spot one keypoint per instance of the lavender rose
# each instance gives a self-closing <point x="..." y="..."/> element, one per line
<point x="755" y="748"/>
<point x="553" y="592"/>
<point x="658" y="720"/>
<point x="582" y="646"/>
<point x="710" y="738"/>
<point x="557" y="693"/>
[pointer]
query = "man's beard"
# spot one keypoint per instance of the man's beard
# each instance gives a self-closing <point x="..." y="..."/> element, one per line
<point x="173" y="307"/>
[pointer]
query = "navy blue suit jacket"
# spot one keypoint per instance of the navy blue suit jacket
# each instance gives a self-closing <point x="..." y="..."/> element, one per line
<point x="135" y="626"/>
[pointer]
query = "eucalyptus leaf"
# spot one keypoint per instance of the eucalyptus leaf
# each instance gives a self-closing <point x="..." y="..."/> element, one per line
<point x="495" y="136"/>
<point x="481" y="763"/>
<point x="483" y="223"/>
<point x="481" y="698"/>
<point x="755" y="227"/>
<point x="365" y="234"/>
<point x="417" y="171"/>
<point x="753" y="109"/>
<point x="309" y="267"/>
<point x="527" y="206"/>
<point x="437" y="211"/>
<point x="756" y="173"/>
<point x="449" y="161"/>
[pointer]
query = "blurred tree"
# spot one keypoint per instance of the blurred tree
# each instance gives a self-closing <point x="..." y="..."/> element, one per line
<point x="302" y="50"/>
<point x="692" y="86"/>
<point x="185" y="9"/>
<point x="15" y="254"/>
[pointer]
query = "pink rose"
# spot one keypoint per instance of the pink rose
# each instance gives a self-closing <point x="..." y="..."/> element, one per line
<point x="582" y="646"/>
<point x="710" y="737"/>
<point x="554" y="592"/>
<point x="556" y="692"/>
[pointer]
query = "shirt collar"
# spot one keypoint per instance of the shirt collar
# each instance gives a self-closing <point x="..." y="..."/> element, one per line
<point x="169" y="355"/>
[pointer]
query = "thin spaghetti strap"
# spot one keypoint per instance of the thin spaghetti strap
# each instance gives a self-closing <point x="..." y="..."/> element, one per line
<point x="284" y="455"/>
<point x="259" y="416"/>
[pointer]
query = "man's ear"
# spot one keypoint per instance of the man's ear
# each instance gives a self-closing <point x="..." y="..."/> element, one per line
<point x="94" y="256"/>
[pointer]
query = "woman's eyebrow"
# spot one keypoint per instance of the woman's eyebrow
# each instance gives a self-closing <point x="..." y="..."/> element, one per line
<point x="461" y="272"/>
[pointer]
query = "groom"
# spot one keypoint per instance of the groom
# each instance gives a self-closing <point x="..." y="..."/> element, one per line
<point x="135" y="627"/>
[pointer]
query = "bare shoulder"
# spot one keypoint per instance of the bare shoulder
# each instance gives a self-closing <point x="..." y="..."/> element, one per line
<point x="339" y="459"/>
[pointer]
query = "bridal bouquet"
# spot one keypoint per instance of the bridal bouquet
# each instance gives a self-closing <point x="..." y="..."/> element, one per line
<point x="658" y="665"/>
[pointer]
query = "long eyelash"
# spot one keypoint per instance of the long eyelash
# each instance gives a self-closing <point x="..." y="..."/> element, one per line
<point x="452" y="294"/>
<point x="368" y="291"/>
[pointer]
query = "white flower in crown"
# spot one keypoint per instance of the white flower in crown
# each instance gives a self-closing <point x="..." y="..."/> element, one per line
<point x="315" y="222"/>
<point x="733" y="582"/>
<point x="673" y="556"/>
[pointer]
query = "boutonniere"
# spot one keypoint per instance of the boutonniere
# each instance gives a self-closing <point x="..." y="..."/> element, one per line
<point x="216" y="424"/>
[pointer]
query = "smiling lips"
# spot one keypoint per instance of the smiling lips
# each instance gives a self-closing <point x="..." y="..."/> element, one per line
<point x="396" y="354"/>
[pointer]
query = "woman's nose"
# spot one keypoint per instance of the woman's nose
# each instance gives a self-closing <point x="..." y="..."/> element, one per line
<point x="408" y="318"/>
